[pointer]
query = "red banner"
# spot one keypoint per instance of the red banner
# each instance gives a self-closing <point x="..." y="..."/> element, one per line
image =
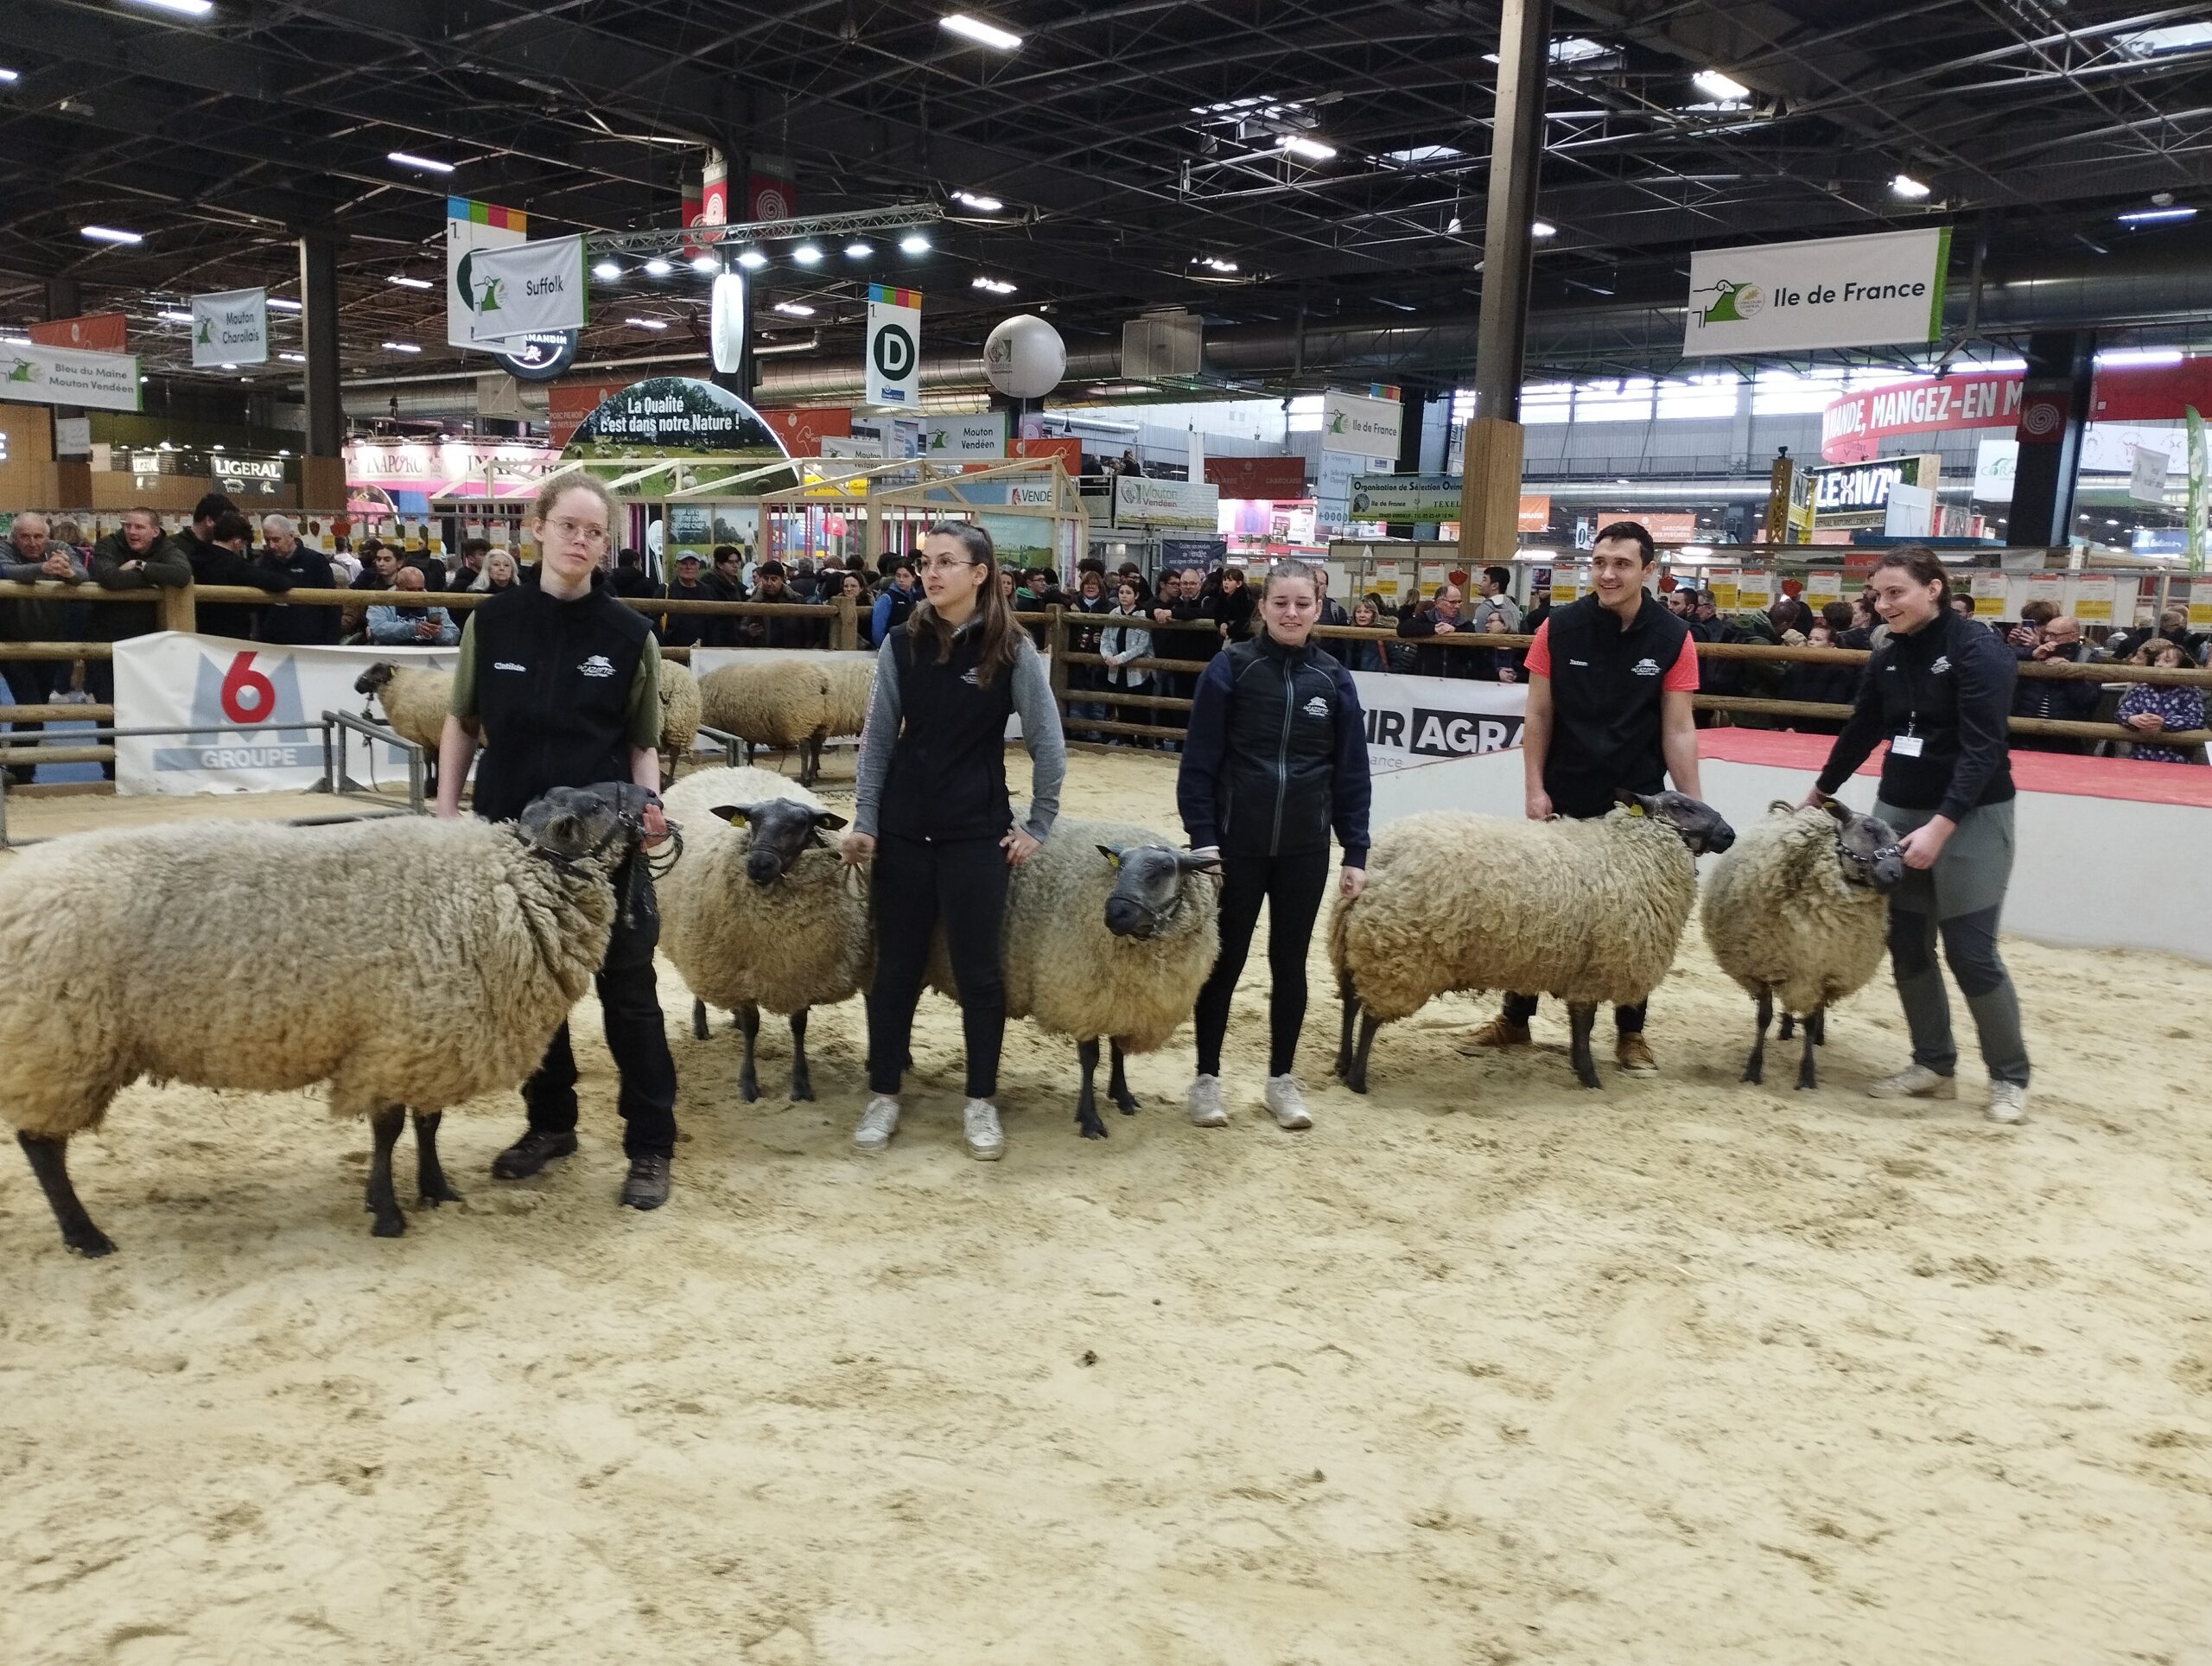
<point x="767" y="197"/>
<point x="89" y="332"/>
<point x="1277" y="479"/>
<point x="1853" y="427"/>
<point x="1070" y="452"/>
<point x="567" y="404"/>
<point x="803" y="429"/>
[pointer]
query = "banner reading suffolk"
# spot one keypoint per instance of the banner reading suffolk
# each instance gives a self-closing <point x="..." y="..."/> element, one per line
<point x="1835" y="292"/>
<point x="528" y="288"/>
<point x="257" y="704"/>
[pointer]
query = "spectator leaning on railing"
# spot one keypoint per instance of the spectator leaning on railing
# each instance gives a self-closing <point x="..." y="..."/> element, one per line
<point x="2064" y="699"/>
<point x="2149" y="709"/>
<point x="220" y="558"/>
<point x="391" y="625"/>
<point x="34" y="555"/>
<point x="283" y="553"/>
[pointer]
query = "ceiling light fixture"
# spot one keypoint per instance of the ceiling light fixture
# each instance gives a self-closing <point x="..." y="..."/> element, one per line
<point x="2142" y="356"/>
<point x="914" y="243"/>
<point x="806" y="254"/>
<point x="646" y="323"/>
<point x="794" y="308"/>
<point x="983" y="34"/>
<point x="10" y="75"/>
<point x="278" y="303"/>
<point x="996" y="285"/>
<point x="858" y="251"/>
<point x="606" y="271"/>
<point x="406" y="282"/>
<point x="1311" y="150"/>
<point x="982" y="205"/>
<point x="2156" y="216"/>
<point x="703" y="263"/>
<point x="752" y="259"/>
<point x="657" y="268"/>
<point x="181" y="8"/>
<point x="1908" y="187"/>
<point x="409" y="159"/>
<point x="1714" y="84"/>
<point x="293" y="358"/>
<point x="172" y="316"/>
<point x="401" y="347"/>
<point x="108" y="234"/>
<point x="1542" y="228"/>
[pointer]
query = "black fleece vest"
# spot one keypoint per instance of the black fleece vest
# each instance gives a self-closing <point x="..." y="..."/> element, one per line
<point x="1606" y="684"/>
<point x="948" y="766"/>
<point x="553" y="690"/>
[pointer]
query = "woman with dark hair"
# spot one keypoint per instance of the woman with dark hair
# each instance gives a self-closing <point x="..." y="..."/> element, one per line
<point x="1275" y="760"/>
<point x="1940" y="691"/>
<point x="932" y="811"/>
<point x="2150" y="710"/>
<point x="1233" y="606"/>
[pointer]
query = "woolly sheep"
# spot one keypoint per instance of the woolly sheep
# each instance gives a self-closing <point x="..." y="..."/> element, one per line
<point x="226" y="955"/>
<point x="852" y="681"/>
<point x="1796" y="914"/>
<point x="1107" y="932"/>
<point x="679" y="715"/>
<point x="1592" y="913"/>
<point x="758" y="911"/>
<point x="783" y="703"/>
<point x="413" y="700"/>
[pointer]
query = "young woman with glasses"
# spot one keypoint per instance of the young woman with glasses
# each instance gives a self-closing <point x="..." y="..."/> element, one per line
<point x="560" y="682"/>
<point x="932" y="813"/>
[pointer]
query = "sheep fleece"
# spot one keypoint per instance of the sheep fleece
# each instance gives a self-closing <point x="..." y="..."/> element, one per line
<point x="770" y="703"/>
<point x="679" y="708"/>
<point x="852" y="680"/>
<point x="1585" y="911"/>
<point x="415" y="703"/>
<point x="803" y="942"/>
<point x="1779" y="915"/>
<point x="1064" y="968"/>
<point x="404" y="961"/>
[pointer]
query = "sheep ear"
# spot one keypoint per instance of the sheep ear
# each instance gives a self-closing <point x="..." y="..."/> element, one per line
<point x="733" y="812"/>
<point x="1191" y="864"/>
<point x="1840" y="810"/>
<point x="829" y="818"/>
<point x="1634" y="802"/>
<point x="1112" y="852"/>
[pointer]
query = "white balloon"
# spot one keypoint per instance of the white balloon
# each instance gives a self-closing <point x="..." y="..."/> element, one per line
<point x="727" y="329"/>
<point x="1024" y="357"/>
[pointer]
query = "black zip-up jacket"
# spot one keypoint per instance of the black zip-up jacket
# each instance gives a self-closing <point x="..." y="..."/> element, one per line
<point x="948" y="762"/>
<point x="1607" y="684"/>
<point x="307" y="569"/>
<point x="214" y="564"/>
<point x="1950" y="683"/>
<point x="553" y="690"/>
<point x="1276" y="755"/>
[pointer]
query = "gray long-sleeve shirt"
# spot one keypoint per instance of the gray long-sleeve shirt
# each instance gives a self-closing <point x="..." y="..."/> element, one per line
<point x="1040" y="734"/>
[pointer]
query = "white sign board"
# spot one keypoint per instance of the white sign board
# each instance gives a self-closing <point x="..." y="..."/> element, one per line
<point x="893" y="367"/>
<point x="1356" y="423"/>
<point x="470" y="226"/>
<point x="948" y="438"/>
<point x="1141" y="502"/>
<point x="2147" y="477"/>
<point x="69" y="376"/>
<point x="255" y="700"/>
<point x="1909" y="512"/>
<point x="229" y="328"/>
<point x="1993" y="463"/>
<point x="1834" y="292"/>
<point x="1418" y="720"/>
<point x="526" y="288"/>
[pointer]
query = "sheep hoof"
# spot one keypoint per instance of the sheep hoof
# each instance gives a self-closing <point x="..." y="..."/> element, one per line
<point x="1128" y="1103"/>
<point x="802" y="1091"/>
<point x="1087" y="1121"/>
<point x="89" y="1241"/>
<point x="1753" y="1074"/>
<point x="389" y="1226"/>
<point x="748" y="1089"/>
<point x="442" y="1192"/>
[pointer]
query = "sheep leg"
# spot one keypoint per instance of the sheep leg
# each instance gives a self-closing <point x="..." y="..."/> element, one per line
<point x="385" y="1125"/>
<point x="810" y="758"/>
<point x="431" y="1182"/>
<point x="801" y="1079"/>
<point x="1582" y="1015"/>
<point x="1086" y="1105"/>
<point x="1369" y="1023"/>
<point x="49" y="1162"/>
<point x="1818" y="1018"/>
<point x="748" y="1024"/>
<point x="1755" y="1066"/>
<point x="1351" y="998"/>
<point x="699" y="1019"/>
<point x="1117" y="1089"/>
<point x="1807" y="1075"/>
<point x="1789" y="1025"/>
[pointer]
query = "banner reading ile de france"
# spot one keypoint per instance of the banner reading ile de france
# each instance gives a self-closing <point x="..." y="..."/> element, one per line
<point x="1834" y="292"/>
<point x="894" y="370"/>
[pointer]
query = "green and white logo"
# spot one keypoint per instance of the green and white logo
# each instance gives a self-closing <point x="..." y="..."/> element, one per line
<point x="488" y="294"/>
<point x="1733" y="302"/>
<point x="22" y="370"/>
<point x="206" y="336"/>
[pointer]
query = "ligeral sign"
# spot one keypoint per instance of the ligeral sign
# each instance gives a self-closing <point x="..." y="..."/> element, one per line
<point x="1832" y="292"/>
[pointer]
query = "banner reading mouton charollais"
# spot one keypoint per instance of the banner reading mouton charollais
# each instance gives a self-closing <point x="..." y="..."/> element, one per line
<point x="1834" y="292"/>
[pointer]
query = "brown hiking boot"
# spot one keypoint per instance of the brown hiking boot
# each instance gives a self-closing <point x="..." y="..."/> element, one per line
<point x="1630" y="1053"/>
<point x="646" y="1186"/>
<point x="1500" y="1032"/>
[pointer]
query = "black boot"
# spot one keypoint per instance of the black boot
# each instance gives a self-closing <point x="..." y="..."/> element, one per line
<point x="647" y="1185"/>
<point x="531" y="1153"/>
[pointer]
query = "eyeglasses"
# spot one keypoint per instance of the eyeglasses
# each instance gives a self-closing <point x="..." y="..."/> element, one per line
<point x="582" y="531"/>
<point x="946" y="565"/>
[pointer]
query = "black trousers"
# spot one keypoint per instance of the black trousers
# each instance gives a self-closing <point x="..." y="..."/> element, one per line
<point x="30" y="683"/>
<point x="1291" y="886"/>
<point x="636" y="1035"/>
<point x="99" y="682"/>
<point x="1628" y="1021"/>
<point x="919" y="883"/>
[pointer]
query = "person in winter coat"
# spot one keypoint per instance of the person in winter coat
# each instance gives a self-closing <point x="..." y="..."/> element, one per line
<point x="34" y="553"/>
<point x="1940" y="692"/>
<point x="1275" y="760"/>
<point x="220" y="558"/>
<point x="687" y="630"/>
<point x="1442" y="619"/>
<point x="891" y="608"/>
<point x="2068" y="700"/>
<point x="285" y="554"/>
<point x="137" y="557"/>
<point x="930" y="811"/>
<point x="1233" y="606"/>
<point x="1122" y="643"/>
<point x="1362" y="654"/>
<point x="1834" y="685"/>
<point x="2149" y="709"/>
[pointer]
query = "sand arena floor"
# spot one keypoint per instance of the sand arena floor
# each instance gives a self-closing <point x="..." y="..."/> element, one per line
<point x="1482" y="1368"/>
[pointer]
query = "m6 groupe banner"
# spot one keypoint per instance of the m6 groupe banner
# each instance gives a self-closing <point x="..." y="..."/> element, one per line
<point x="258" y="705"/>
<point x="1422" y="720"/>
<point x="1834" y="292"/>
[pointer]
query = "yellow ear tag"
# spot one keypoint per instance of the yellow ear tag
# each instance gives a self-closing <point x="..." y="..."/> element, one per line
<point x="1113" y="860"/>
<point x="1636" y="809"/>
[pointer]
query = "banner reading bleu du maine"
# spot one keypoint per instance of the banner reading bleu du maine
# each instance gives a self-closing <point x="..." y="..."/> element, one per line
<point x="231" y="327"/>
<point x="1836" y="292"/>
<point x="65" y="376"/>
<point x="528" y="288"/>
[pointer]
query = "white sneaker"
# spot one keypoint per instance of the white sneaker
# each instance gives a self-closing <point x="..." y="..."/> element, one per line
<point x="1914" y="1082"/>
<point x="878" y="1123"/>
<point x="979" y="1121"/>
<point x="2008" y="1102"/>
<point x="1286" y="1100"/>
<point x="1204" y="1102"/>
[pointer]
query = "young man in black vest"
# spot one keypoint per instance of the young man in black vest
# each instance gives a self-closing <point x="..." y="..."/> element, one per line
<point x="562" y="680"/>
<point x="1610" y="677"/>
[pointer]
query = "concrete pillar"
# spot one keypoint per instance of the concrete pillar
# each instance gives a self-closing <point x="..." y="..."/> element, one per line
<point x="2054" y="410"/>
<point x="1490" y="493"/>
<point x="322" y="478"/>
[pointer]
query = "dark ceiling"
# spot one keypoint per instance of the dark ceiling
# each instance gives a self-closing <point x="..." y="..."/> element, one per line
<point x="1128" y="142"/>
